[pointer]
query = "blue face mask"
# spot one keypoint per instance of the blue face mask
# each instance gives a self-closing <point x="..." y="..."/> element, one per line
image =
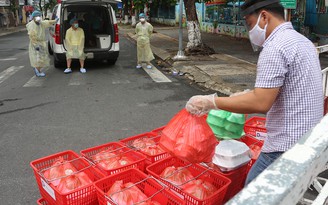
<point x="76" y="25"/>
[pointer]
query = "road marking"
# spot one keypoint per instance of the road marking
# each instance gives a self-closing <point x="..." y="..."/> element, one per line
<point x="36" y="81"/>
<point x="114" y="82"/>
<point x="156" y="75"/>
<point x="4" y="75"/>
<point x="8" y="59"/>
<point x="77" y="78"/>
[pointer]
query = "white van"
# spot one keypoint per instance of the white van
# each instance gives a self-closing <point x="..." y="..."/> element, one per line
<point x="97" y="19"/>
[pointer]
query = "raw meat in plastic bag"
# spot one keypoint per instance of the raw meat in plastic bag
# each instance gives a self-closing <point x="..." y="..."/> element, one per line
<point x="57" y="170"/>
<point x="189" y="137"/>
<point x="176" y="175"/>
<point x="126" y="194"/>
<point x="147" y="145"/>
<point x="143" y="142"/>
<point x="199" y="188"/>
<point x="108" y="159"/>
<point x="152" y="150"/>
<point x="72" y="182"/>
<point x="255" y="151"/>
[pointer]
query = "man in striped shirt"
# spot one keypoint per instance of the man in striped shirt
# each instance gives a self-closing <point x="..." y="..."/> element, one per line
<point x="288" y="86"/>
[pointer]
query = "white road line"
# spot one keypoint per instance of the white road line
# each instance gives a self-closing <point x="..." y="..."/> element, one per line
<point x="37" y="81"/>
<point x="114" y="82"/>
<point x="8" y="59"/>
<point x="4" y="75"/>
<point x="77" y="78"/>
<point x="156" y="75"/>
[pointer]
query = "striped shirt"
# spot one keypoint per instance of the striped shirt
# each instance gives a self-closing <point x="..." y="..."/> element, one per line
<point x="289" y="61"/>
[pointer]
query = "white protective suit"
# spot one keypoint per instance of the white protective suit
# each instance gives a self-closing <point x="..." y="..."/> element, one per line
<point x="143" y="32"/>
<point x="74" y="43"/>
<point x="38" y="51"/>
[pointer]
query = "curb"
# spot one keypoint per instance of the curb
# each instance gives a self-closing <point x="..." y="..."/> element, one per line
<point x="13" y="31"/>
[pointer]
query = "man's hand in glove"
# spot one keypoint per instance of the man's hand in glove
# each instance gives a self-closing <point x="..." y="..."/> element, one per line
<point x="201" y="104"/>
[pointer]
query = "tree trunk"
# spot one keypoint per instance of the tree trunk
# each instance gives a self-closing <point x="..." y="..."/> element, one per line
<point x="194" y="35"/>
<point x="126" y="11"/>
<point x="133" y="19"/>
<point x="126" y="19"/>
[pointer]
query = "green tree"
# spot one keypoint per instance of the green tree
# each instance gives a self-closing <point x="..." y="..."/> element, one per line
<point x="49" y="5"/>
<point x="14" y="6"/>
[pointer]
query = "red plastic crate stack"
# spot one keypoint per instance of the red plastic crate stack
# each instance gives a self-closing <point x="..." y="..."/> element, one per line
<point x="250" y="142"/>
<point x="149" y="186"/>
<point x="199" y="172"/>
<point x="237" y="177"/>
<point x="138" y="158"/>
<point x="155" y="136"/>
<point x="85" y="195"/>
<point x="253" y="126"/>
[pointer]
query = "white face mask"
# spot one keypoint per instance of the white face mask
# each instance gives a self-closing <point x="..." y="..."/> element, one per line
<point x="257" y="34"/>
<point x="142" y="20"/>
<point x="38" y="19"/>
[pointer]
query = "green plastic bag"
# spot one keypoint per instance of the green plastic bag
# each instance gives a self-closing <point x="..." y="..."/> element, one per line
<point x="226" y="125"/>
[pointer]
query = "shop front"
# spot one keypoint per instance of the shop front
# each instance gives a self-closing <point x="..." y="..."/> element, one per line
<point x="309" y="17"/>
<point x="224" y="18"/>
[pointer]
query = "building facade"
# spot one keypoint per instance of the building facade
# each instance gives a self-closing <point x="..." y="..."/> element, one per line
<point x="308" y="17"/>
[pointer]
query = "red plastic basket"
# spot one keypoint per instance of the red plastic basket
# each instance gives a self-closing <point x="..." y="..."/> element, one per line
<point x="199" y="172"/>
<point x="253" y="130"/>
<point x="237" y="177"/>
<point x="150" y="158"/>
<point x="150" y="187"/>
<point x="159" y="130"/>
<point x="85" y="195"/>
<point x="138" y="158"/>
<point x="42" y="201"/>
<point x="251" y="141"/>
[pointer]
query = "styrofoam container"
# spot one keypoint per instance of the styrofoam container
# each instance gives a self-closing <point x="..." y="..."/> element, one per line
<point x="231" y="154"/>
<point x="103" y="41"/>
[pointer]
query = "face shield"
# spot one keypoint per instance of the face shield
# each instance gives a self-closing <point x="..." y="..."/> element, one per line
<point x="256" y="34"/>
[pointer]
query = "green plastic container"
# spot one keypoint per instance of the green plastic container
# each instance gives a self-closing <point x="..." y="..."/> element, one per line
<point x="236" y="118"/>
<point x="226" y="125"/>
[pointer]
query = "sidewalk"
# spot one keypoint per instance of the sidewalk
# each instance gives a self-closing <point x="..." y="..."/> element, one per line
<point x="10" y="30"/>
<point x="220" y="72"/>
<point x="231" y="69"/>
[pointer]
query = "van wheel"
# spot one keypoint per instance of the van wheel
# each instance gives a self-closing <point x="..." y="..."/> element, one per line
<point x="111" y="61"/>
<point x="49" y="49"/>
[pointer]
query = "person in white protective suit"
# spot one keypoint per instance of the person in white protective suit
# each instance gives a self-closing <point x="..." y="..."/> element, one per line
<point x="74" y="43"/>
<point x="38" y="51"/>
<point x="143" y="32"/>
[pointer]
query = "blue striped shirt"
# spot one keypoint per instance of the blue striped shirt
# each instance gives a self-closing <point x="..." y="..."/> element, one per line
<point x="289" y="61"/>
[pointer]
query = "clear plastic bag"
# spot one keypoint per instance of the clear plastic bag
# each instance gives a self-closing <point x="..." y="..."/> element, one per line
<point x="189" y="138"/>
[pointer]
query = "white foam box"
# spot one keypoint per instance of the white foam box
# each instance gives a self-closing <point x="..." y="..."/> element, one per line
<point x="103" y="41"/>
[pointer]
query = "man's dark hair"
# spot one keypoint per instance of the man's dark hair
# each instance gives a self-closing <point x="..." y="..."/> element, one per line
<point x="256" y="6"/>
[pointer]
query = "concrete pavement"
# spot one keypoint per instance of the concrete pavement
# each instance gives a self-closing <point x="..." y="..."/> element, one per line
<point x="220" y="72"/>
<point x="10" y="30"/>
<point x="231" y="69"/>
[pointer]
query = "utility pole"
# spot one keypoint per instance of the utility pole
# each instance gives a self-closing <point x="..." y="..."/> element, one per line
<point x="180" y="55"/>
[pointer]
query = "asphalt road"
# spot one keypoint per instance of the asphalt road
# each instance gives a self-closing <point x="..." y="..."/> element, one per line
<point x="39" y="117"/>
<point x="43" y="116"/>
